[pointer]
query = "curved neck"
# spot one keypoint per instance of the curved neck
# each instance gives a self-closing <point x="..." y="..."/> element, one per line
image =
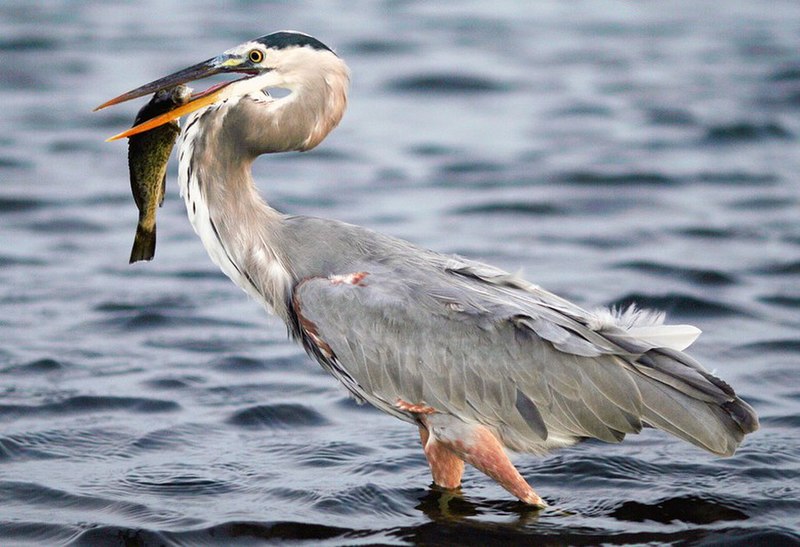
<point x="241" y="232"/>
<point x="255" y="124"/>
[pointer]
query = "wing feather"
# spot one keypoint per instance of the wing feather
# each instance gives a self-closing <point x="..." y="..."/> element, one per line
<point x="489" y="348"/>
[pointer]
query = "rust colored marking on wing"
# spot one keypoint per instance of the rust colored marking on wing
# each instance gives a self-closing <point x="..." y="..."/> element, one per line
<point x="355" y="278"/>
<point x="309" y="328"/>
<point x="414" y="409"/>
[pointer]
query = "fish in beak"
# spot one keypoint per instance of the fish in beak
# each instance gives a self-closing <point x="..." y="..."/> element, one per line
<point x="217" y="65"/>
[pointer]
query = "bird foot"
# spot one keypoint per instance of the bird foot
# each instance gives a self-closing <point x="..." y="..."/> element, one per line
<point x="534" y="500"/>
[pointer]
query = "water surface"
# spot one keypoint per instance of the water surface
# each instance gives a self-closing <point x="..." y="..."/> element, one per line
<point x="614" y="152"/>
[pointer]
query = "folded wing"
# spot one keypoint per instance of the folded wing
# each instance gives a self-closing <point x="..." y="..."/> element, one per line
<point x="490" y="348"/>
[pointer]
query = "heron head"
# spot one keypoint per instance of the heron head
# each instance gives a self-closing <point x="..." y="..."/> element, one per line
<point x="281" y="59"/>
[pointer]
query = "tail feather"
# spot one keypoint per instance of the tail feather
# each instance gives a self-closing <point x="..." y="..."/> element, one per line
<point x="692" y="404"/>
<point x="743" y="414"/>
<point x="678" y="370"/>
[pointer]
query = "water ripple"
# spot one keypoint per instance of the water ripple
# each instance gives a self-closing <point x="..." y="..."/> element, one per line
<point x="156" y="405"/>
<point x="45" y="365"/>
<point x="280" y="416"/>
<point x="239" y="364"/>
<point x="175" y="382"/>
<point x="28" y="43"/>
<point x="782" y="300"/>
<point x="178" y="480"/>
<point x="368" y="499"/>
<point x="183" y="435"/>
<point x="66" y="226"/>
<point x="671" y="116"/>
<point x="332" y="454"/>
<point x="37" y="533"/>
<point x="35" y="495"/>
<point x="161" y="303"/>
<point x="197" y="345"/>
<point x="9" y="204"/>
<point x="596" y="178"/>
<point x="679" y="304"/>
<point x="789" y="267"/>
<point x="694" y="275"/>
<point x="511" y="208"/>
<point x="62" y="443"/>
<point x="746" y="131"/>
<point x="154" y="320"/>
<point x="688" y="509"/>
<point x="89" y="403"/>
<point x="8" y="261"/>
<point x="789" y="346"/>
<point x="230" y="533"/>
<point x="447" y="84"/>
<point x="737" y="178"/>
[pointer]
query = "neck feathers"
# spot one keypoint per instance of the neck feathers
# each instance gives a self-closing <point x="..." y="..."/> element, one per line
<point x="238" y="229"/>
<point x="241" y="233"/>
<point x="331" y="93"/>
<point x="298" y="121"/>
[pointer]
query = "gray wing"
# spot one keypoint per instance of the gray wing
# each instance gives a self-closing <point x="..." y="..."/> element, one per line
<point x="484" y="346"/>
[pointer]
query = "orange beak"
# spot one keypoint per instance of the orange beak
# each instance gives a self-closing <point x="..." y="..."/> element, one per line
<point x="198" y="100"/>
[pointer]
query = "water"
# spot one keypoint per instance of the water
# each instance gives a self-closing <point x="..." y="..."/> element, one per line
<point x="613" y="151"/>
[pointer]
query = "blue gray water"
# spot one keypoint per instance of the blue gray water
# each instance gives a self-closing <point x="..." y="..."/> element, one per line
<point x="613" y="151"/>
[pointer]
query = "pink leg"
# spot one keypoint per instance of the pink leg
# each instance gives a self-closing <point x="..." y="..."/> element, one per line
<point x="449" y="442"/>
<point x="486" y="453"/>
<point x="446" y="467"/>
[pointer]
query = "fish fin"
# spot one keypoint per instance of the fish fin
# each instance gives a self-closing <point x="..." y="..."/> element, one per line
<point x="144" y="244"/>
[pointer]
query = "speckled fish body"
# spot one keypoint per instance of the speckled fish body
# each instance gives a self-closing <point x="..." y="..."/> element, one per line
<point x="148" y="154"/>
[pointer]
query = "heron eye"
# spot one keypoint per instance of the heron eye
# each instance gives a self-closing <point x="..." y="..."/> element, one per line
<point x="256" y="55"/>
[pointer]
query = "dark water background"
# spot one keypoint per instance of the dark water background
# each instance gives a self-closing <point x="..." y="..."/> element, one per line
<point x="615" y="151"/>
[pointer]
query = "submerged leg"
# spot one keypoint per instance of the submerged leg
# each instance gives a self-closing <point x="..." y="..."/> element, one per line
<point x="449" y="442"/>
<point x="488" y="455"/>
<point x="446" y="467"/>
<point x="479" y="447"/>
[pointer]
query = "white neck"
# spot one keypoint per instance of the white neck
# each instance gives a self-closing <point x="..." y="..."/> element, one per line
<point x="233" y="222"/>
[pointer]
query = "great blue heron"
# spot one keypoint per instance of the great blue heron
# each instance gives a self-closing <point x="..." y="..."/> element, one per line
<point x="480" y="360"/>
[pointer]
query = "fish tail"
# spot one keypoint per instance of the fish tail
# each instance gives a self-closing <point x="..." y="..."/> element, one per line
<point x="144" y="244"/>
